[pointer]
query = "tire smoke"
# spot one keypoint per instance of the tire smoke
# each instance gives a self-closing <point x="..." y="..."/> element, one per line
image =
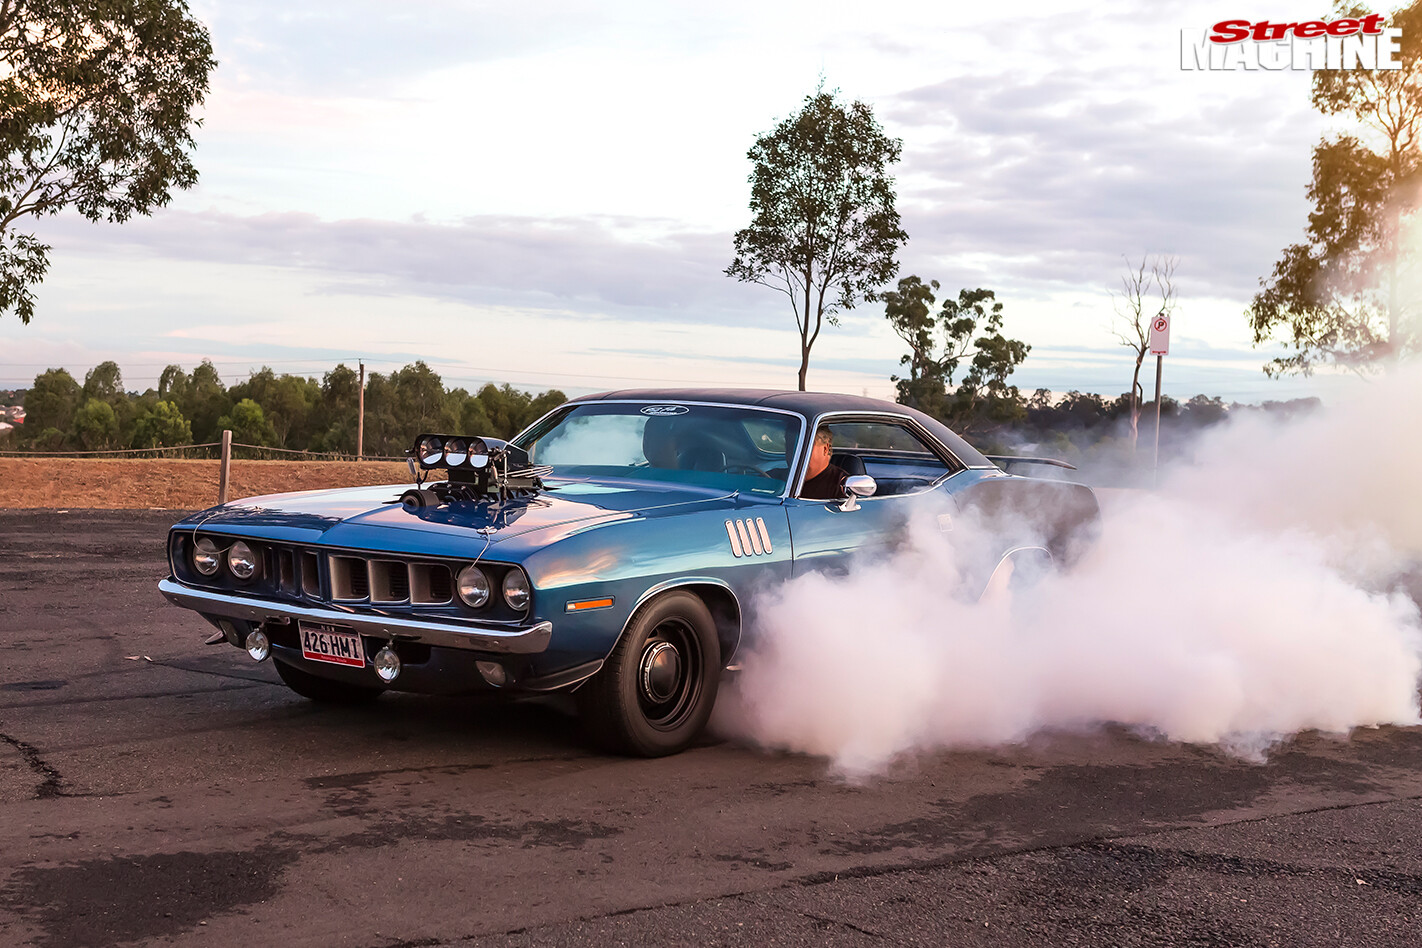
<point x="1260" y="592"/>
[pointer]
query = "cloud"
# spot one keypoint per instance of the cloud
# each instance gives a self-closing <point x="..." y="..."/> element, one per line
<point x="614" y="265"/>
<point x="1048" y="181"/>
<point x="360" y="46"/>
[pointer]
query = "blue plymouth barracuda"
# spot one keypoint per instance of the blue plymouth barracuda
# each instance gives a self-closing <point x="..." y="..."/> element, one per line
<point x="614" y="549"/>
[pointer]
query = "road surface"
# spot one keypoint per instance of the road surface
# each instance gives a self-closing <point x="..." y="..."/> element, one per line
<point x="155" y="790"/>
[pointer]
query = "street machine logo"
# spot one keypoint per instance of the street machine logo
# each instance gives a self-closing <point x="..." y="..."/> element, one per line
<point x="1347" y="43"/>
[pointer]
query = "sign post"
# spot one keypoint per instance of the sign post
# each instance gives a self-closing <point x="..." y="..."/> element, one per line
<point x="1160" y="348"/>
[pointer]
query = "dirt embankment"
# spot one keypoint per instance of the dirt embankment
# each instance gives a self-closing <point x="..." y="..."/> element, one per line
<point x="173" y="484"/>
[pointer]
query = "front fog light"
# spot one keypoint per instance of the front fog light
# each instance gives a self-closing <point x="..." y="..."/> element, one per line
<point x="516" y="591"/>
<point x="387" y="664"/>
<point x="258" y="645"/>
<point x="205" y="556"/>
<point x="242" y="561"/>
<point x="473" y="586"/>
<point x="493" y="673"/>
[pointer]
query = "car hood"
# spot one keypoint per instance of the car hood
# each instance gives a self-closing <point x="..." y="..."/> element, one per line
<point x="367" y="516"/>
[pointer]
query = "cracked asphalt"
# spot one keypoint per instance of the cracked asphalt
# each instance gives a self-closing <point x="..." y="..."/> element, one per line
<point x="155" y="790"/>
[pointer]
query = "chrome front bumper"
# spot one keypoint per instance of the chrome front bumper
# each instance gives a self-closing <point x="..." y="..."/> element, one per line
<point x="470" y="636"/>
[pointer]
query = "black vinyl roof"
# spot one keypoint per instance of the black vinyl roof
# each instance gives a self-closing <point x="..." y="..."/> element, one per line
<point x="808" y="404"/>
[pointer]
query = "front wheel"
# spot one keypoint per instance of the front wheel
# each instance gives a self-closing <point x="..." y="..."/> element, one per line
<point x="324" y="689"/>
<point x="655" y="692"/>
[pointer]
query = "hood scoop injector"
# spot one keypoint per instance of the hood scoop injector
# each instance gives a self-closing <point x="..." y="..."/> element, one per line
<point x="479" y="469"/>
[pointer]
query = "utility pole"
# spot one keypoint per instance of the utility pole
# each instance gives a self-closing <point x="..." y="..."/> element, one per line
<point x="360" y="417"/>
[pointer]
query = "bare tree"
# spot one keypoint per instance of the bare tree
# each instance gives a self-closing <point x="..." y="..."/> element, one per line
<point x="1135" y="308"/>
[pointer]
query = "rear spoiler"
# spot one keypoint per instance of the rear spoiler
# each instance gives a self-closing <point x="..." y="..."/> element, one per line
<point x="1003" y="460"/>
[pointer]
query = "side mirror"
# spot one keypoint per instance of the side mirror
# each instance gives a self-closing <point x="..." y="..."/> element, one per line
<point x="856" y="486"/>
<point x="861" y="485"/>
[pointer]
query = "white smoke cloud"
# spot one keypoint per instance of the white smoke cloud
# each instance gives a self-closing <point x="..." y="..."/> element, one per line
<point x="1260" y="592"/>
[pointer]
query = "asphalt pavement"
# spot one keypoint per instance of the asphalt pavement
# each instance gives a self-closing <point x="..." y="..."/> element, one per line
<point x="155" y="790"/>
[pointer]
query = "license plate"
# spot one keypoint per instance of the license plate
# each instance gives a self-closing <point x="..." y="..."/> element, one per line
<point x="329" y="643"/>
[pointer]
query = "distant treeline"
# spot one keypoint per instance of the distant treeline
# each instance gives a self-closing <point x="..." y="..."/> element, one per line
<point x="284" y="411"/>
<point x="1094" y="432"/>
<point x="290" y="411"/>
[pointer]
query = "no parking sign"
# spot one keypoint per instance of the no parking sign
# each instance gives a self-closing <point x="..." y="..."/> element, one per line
<point x="1160" y="335"/>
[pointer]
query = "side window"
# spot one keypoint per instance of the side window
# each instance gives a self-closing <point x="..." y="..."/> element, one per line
<point x="898" y="460"/>
<point x="768" y="437"/>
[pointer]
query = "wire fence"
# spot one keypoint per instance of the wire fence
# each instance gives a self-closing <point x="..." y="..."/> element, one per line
<point x="208" y="451"/>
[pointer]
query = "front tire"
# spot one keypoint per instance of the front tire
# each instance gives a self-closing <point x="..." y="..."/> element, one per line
<point x="324" y="690"/>
<point x="655" y="692"/>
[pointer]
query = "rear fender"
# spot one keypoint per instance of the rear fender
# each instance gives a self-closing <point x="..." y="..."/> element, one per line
<point x="1061" y="517"/>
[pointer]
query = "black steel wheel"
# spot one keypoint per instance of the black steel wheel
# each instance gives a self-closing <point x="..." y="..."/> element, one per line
<point x="324" y="689"/>
<point x="655" y="692"/>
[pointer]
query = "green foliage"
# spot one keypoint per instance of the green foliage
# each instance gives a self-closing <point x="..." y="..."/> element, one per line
<point x="271" y="410"/>
<point x="966" y="331"/>
<point x="505" y="411"/>
<point x="51" y="402"/>
<point x="204" y="401"/>
<point x="162" y="426"/>
<point x="403" y="404"/>
<point x="824" y="229"/>
<point x="105" y="382"/>
<point x="248" y="424"/>
<point x="1339" y="296"/>
<point x="909" y="310"/>
<point x="333" y="417"/>
<point x="24" y="261"/>
<point x="1202" y="410"/>
<point x="97" y="99"/>
<point x="173" y="383"/>
<point x="286" y="400"/>
<point x="47" y="439"/>
<point x="96" y="426"/>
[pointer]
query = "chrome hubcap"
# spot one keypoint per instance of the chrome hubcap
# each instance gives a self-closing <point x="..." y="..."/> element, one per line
<point x="661" y="671"/>
<point x="669" y="673"/>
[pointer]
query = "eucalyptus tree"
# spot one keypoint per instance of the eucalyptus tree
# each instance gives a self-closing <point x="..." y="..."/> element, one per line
<point x="824" y="229"/>
<point x="1342" y="295"/>
<point x="97" y="112"/>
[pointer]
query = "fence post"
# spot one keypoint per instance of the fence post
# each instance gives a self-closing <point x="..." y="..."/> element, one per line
<point x="226" y="469"/>
<point x="360" y="416"/>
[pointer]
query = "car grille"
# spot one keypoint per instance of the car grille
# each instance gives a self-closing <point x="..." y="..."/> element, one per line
<point x="351" y="580"/>
<point x="389" y="582"/>
<point x="297" y="572"/>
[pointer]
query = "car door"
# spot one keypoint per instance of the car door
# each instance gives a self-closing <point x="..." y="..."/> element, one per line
<point x="907" y="466"/>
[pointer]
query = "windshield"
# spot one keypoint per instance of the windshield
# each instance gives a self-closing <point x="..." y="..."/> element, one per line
<point x="727" y="448"/>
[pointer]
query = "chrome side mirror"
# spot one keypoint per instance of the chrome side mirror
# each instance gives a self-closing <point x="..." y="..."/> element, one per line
<point x="859" y="485"/>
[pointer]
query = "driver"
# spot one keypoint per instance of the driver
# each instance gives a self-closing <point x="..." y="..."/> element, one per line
<point x="823" y="480"/>
<point x="659" y="442"/>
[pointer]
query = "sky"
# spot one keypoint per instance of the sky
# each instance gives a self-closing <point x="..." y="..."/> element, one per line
<point x="545" y="194"/>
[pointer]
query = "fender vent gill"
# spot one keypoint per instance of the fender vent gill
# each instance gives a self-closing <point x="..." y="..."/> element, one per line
<point x="749" y="537"/>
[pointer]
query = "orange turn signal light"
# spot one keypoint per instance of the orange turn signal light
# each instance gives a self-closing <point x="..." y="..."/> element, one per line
<point x="582" y="605"/>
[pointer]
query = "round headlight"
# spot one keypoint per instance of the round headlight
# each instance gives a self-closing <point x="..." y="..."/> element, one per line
<point x="516" y="589"/>
<point x="205" y="556"/>
<point x="431" y="450"/>
<point x="473" y="586"/>
<point x="242" y="561"/>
